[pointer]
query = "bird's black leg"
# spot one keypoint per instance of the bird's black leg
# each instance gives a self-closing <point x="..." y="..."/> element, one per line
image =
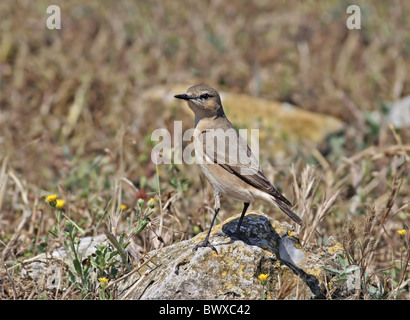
<point x="206" y="242"/>
<point x="245" y="207"/>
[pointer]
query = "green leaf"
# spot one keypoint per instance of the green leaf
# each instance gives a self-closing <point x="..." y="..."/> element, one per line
<point x="102" y="294"/>
<point x="108" y="256"/>
<point x="343" y="261"/>
<point x="72" y="276"/>
<point x="75" y="225"/>
<point x="53" y="231"/>
<point x="119" y="247"/>
<point x="335" y="271"/>
<point x="77" y="267"/>
<point x="142" y="226"/>
<point x="340" y="280"/>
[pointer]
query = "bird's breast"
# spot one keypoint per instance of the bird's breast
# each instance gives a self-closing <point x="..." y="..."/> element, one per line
<point x="226" y="183"/>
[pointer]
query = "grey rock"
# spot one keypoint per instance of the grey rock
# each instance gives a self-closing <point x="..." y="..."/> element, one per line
<point x="264" y="246"/>
<point x="85" y="247"/>
<point x="50" y="266"/>
<point x="397" y="113"/>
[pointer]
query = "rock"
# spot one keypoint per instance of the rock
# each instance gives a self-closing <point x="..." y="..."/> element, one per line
<point x="85" y="247"/>
<point x="50" y="267"/>
<point x="397" y="113"/>
<point x="265" y="247"/>
<point x="282" y="126"/>
<point x="43" y="270"/>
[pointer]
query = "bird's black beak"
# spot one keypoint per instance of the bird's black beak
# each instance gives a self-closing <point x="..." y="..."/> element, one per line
<point x="182" y="96"/>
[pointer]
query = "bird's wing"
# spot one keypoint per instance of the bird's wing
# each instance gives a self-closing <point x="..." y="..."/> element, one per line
<point x="232" y="153"/>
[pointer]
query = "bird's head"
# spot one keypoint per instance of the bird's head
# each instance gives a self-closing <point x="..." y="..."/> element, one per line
<point x="203" y="100"/>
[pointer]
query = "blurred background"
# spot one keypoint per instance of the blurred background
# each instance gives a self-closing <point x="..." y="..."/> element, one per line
<point x="78" y="106"/>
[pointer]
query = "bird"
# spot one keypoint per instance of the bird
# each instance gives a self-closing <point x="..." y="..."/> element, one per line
<point x="231" y="168"/>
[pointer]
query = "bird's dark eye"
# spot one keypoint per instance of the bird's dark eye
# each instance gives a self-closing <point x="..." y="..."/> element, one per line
<point x="205" y="96"/>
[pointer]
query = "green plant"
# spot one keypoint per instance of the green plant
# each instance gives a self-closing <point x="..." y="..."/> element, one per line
<point x="109" y="260"/>
<point x="347" y="273"/>
<point x="78" y="271"/>
<point x="263" y="279"/>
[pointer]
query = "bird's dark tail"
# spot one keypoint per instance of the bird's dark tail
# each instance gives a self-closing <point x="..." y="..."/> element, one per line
<point x="285" y="209"/>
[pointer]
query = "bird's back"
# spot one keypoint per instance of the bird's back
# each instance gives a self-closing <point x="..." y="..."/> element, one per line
<point x="220" y="143"/>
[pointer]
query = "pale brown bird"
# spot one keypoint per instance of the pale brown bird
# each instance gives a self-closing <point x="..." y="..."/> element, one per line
<point x="231" y="168"/>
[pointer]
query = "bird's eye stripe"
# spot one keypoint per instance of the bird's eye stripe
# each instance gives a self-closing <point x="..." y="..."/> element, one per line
<point x="205" y="96"/>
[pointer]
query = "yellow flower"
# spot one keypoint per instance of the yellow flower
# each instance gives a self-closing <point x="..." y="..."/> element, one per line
<point x="262" y="277"/>
<point x="60" y="203"/>
<point x="51" y="198"/>
<point x="123" y="207"/>
<point x="401" y="232"/>
<point x="103" y="280"/>
<point x="151" y="203"/>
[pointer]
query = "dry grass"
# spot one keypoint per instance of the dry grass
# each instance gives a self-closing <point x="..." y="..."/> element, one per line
<point x="72" y="122"/>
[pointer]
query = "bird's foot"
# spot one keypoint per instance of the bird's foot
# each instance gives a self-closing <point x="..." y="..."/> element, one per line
<point x="203" y="244"/>
<point x="238" y="232"/>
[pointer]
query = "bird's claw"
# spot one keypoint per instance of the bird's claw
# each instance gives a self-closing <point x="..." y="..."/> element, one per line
<point x="203" y="244"/>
